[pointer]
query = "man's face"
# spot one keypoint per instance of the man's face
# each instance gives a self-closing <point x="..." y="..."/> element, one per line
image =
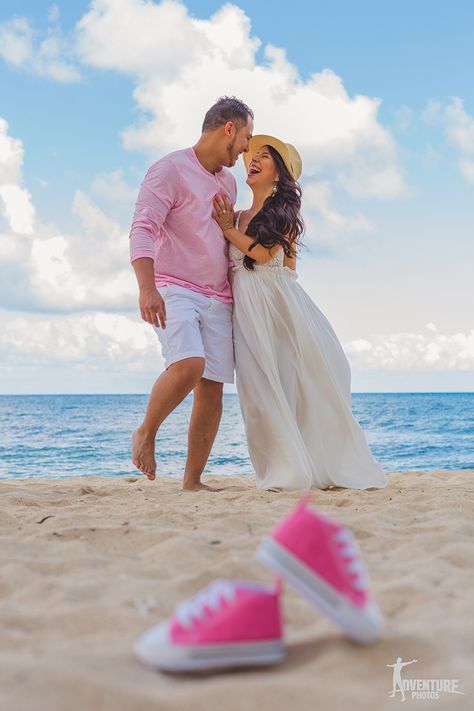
<point x="238" y="142"/>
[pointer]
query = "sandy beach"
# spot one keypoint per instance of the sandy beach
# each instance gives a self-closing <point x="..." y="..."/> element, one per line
<point x="87" y="564"/>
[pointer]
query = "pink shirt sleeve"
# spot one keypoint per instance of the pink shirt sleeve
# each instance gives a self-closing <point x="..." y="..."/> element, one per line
<point x="158" y="193"/>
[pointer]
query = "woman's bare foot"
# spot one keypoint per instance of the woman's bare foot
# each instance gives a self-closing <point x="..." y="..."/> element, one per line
<point x="143" y="453"/>
<point x="199" y="486"/>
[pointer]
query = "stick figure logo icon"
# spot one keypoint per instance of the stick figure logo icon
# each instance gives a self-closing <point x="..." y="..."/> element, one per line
<point x="397" y="677"/>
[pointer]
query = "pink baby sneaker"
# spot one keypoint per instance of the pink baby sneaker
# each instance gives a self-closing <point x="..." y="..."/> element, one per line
<point x="321" y="560"/>
<point x="227" y="624"/>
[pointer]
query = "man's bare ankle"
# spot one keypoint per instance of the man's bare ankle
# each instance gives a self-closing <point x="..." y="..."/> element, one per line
<point x="146" y="433"/>
<point x="191" y="482"/>
<point x="200" y="486"/>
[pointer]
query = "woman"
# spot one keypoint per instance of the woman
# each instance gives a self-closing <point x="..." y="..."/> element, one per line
<point x="293" y="378"/>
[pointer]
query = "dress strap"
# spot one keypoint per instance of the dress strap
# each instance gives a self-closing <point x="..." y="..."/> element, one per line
<point x="237" y="222"/>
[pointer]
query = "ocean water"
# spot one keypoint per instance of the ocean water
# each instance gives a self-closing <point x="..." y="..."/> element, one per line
<point x="83" y="435"/>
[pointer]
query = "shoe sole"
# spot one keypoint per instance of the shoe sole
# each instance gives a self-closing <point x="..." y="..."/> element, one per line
<point x="363" y="626"/>
<point x="177" y="658"/>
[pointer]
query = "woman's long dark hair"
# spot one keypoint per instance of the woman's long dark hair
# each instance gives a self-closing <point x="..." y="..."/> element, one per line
<point x="279" y="220"/>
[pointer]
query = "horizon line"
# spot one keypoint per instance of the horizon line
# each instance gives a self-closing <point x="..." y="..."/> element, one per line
<point x="356" y="392"/>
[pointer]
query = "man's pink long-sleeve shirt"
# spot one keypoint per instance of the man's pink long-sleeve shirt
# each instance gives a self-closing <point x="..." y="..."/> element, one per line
<point x="172" y="224"/>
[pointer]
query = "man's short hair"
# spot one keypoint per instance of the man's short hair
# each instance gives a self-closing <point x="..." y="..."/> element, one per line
<point x="227" y="108"/>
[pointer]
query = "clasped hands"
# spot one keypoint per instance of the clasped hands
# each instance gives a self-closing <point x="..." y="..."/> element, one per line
<point x="223" y="212"/>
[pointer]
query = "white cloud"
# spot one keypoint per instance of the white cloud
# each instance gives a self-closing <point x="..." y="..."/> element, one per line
<point x="414" y="351"/>
<point x="404" y="118"/>
<point x="11" y="156"/>
<point x="99" y="339"/>
<point x="103" y="339"/>
<point x="85" y="270"/>
<point x="466" y="166"/>
<point x="460" y="126"/>
<point x="49" y="57"/>
<point x="44" y="268"/>
<point x="113" y="188"/>
<point x="459" y="131"/>
<point x="114" y="195"/>
<point x="18" y="209"/>
<point x="432" y="113"/>
<point x="324" y="221"/>
<point x="16" y="41"/>
<point x="363" y="178"/>
<point x="15" y="200"/>
<point x="139" y="38"/>
<point x="53" y="13"/>
<point x="181" y="64"/>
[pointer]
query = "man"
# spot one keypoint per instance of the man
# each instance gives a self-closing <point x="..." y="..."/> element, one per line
<point x="179" y="255"/>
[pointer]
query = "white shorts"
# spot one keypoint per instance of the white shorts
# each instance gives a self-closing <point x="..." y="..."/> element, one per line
<point x="197" y="327"/>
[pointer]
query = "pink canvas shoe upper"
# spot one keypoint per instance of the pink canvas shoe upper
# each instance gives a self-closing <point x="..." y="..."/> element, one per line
<point x="228" y="611"/>
<point x="326" y="548"/>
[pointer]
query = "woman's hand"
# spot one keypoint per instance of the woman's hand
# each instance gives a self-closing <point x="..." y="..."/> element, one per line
<point x="223" y="212"/>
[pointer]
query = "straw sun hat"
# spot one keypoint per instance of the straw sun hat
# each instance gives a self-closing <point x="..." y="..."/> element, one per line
<point x="290" y="155"/>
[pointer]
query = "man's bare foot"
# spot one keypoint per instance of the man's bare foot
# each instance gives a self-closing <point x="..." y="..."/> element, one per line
<point x="143" y="454"/>
<point x="199" y="486"/>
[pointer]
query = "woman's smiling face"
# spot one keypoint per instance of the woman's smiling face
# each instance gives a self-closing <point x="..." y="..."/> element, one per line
<point x="262" y="169"/>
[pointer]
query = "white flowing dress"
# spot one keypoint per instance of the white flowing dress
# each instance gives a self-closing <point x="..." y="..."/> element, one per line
<point x="293" y="381"/>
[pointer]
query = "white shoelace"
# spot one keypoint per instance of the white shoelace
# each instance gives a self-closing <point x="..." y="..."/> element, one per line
<point x="209" y="598"/>
<point x="350" y="552"/>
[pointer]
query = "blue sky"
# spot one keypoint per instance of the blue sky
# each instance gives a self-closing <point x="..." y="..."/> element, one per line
<point x="387" y="138"/>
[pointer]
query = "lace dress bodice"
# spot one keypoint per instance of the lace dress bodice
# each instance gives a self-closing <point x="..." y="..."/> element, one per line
<point x="237" y="257"/>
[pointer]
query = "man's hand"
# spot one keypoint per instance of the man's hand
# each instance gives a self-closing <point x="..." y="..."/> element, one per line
<point x="152" y="307"/>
